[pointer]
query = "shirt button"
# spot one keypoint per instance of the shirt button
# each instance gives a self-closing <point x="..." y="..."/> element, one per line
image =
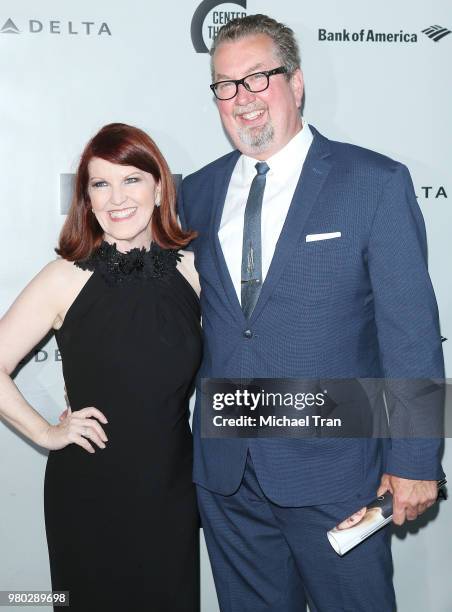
<point x="248" y="333"/>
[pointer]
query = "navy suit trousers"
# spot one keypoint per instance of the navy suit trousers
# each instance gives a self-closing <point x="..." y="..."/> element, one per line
<point x="269" y="558"/>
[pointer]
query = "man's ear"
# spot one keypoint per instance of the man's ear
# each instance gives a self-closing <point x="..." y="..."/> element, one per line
<point x="297" y="84"/>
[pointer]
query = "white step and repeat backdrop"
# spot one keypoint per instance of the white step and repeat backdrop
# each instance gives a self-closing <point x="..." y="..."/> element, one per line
<point x="377" y="74"/>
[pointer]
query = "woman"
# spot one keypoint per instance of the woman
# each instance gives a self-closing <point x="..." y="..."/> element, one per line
<point x="120" y="510"/>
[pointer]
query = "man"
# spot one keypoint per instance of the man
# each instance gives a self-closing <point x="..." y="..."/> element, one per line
<point x="312" y="261"/>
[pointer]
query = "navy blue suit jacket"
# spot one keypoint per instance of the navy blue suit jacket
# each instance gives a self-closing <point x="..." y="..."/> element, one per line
<point x="358" y="306"/>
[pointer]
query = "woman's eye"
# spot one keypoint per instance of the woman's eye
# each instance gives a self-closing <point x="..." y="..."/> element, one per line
<point x="132" y="179"/>
<point x="98" y="184"/>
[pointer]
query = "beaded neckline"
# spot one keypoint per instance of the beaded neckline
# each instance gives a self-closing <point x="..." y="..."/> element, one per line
<point x="135" y="265"/>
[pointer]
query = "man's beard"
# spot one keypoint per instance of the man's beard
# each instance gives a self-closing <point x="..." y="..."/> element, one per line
<point x="257" y="138"/>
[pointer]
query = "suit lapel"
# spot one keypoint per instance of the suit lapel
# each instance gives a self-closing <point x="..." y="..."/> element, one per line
<point x="221" y="184"/>
<point x="315" y="171"/>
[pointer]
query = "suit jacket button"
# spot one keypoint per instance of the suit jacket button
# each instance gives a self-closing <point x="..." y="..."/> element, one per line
<point x="248" y="333"/>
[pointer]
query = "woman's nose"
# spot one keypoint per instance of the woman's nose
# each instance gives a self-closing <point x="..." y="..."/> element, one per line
<point x="118" y="196"/>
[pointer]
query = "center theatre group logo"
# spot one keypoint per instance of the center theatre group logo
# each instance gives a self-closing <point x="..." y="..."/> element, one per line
<point x="53" y="26"/>
<point x="204" y="30"/>
<point x="434" y="32"/>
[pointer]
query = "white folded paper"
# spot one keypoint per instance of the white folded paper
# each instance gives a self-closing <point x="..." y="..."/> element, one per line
<point x="378" y="513"/>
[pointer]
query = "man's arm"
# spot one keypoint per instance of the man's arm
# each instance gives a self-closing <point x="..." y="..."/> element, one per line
<point x="409" y="340"/>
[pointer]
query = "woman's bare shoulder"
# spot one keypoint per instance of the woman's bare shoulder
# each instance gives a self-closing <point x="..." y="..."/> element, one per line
<point x="40" y="306"/>
<point x="57" y="269"/>
<point x="65" y="279"/>
<point x="61" y="269"/>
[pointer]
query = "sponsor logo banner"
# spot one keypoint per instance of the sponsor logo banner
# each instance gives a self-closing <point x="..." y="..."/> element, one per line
<point x="209" y="17"/>
<point x="56" y="26"/>
<point x="370" y="35"/>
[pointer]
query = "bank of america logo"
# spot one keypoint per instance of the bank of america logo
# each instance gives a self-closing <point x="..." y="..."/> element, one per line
<point x="9" y="28"/>
<point x="436" y="32"/>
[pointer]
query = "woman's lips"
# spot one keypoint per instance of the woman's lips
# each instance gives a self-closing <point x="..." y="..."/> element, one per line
<point x="123" y="214"/>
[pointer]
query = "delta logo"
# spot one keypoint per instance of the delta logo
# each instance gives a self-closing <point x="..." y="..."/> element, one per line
<point x="54" y="26"/>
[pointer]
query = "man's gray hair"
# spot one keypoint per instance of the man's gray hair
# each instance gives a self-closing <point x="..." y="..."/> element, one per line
<point x="283" y="38"/>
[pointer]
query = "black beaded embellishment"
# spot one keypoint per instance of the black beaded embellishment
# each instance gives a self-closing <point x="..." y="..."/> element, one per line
<point x="135" y="265"/>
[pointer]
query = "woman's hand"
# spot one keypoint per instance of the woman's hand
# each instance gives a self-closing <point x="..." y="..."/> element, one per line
<point x="76" y="428"/>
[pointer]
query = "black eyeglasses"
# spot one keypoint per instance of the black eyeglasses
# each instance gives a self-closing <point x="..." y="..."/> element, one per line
<point x="256" y="82"/>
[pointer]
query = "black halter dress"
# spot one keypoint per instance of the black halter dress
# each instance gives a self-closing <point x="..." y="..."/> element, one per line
<point x="122" y="523"/>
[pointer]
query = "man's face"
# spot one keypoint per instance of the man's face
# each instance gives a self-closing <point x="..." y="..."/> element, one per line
<point x="259" y="124"/>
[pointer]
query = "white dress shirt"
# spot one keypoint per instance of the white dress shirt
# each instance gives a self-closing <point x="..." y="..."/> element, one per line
<point x="282" y="178"/>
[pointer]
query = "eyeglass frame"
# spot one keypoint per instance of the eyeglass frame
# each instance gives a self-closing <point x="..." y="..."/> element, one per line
<point x="237" y="82"/>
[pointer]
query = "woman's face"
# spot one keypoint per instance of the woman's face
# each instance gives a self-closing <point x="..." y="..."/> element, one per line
<point x="123" y="199"/>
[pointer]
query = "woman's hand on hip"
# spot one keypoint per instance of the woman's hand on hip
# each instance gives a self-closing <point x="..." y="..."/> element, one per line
<point x="80" y="427"/>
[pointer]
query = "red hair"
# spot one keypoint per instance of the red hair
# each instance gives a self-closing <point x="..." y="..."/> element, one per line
<point x="125" y="145"/>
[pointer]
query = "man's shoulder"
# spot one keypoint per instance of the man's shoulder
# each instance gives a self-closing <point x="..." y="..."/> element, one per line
<point x="216" y="166"/>
<point x="360" y="158"/>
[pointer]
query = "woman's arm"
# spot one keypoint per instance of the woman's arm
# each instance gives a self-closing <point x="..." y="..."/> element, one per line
<point x="187" y="268"/>
<point x="41" y="306"/>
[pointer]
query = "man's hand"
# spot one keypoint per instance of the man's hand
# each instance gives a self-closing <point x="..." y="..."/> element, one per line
<point x="410" y="497"/>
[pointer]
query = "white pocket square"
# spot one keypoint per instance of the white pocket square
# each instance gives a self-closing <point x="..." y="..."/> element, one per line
<point x="314" y="237"/>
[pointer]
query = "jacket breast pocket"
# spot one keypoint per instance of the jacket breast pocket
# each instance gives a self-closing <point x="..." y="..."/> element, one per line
<point x="314" y="269"/>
